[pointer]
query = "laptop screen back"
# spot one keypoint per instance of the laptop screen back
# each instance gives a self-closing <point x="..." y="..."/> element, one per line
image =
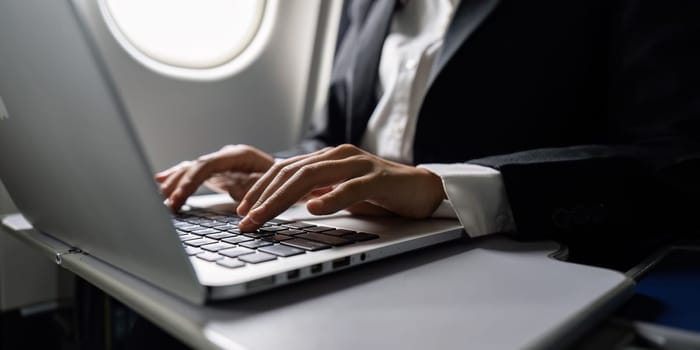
<point x="70" y="159"/>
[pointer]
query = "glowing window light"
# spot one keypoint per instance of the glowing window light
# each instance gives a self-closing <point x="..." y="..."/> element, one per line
<point x="190" y="34"/>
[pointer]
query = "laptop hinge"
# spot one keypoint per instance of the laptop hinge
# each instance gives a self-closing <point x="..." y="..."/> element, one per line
<point x="72" y="250"/>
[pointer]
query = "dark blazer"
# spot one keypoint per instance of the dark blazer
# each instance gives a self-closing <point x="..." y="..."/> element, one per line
<point x="590" y="109"/>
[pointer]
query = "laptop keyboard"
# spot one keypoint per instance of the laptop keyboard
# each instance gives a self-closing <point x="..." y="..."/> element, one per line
<point x="215" y="237"/>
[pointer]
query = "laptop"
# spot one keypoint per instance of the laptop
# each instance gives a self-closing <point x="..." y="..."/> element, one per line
<point x="74" y="166"/>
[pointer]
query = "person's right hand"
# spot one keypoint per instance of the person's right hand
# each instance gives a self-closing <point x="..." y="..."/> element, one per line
<point x="233" y="168"/>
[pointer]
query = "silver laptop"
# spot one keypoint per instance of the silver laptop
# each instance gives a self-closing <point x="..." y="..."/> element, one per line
<point x="73" y="165"/>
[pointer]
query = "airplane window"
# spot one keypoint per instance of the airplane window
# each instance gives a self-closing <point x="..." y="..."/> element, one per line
<point x="187" y="34"/>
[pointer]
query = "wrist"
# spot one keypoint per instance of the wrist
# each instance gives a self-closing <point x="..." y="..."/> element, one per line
<point x="435" y="191"/>
<point x="434" y="183"/>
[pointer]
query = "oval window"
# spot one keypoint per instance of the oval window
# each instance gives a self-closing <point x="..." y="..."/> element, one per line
<point x="189" y="34"/>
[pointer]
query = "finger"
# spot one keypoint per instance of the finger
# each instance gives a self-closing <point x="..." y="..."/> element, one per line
<point x="219" y="183"/>
<point x="280" y="173"/>
<point x="165" y="174"/>
<point x="168" y="186"/>
<point x="348" y="152"/>
<point x="241" y="188"/>
<point x="189" y="182"/>
<point x="259" y="187"/>
<point x="344" y="196"/>
<point x="238" y="157"/>
<point x="162" y="175"/>
<point x="316" y="193"/>
<point x="310" y="177"/>
<point x="223" y="182"/>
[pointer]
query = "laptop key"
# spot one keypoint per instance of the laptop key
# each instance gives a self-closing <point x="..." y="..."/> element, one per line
<point x="221" y="235"/>
<point x="226" y="227"/>
<point x="258" y="234"/>
<point x="230" y="263"/>
<point x="237" y="239"/>
<point x="290" y="232"/>
<point x="188" y="227"/>
<point x="219" y="218"/>
<point x="205" y="232"/>
<point x="215" y="247"/>
<point x="255" y="244"/>
<point x="318" y="229"/>
<point x="282" y="250"/>
<point x="305" y="244"/>
<point x="236" y="252"/>
<point x="199" y="242"/>
<point x="360" y="236"/>
<point x="257" y="258"/>
<point x="192" y="251"/>
<point x="272" y="229"/>
<point x="298" y="225"/>
<point x="280" y="221"/>
<point x="232" y="220"/>
<point x="318" y="237"/>
<point x="277" y="238"/>
<point x="209" y="256"/>
<point x="188" y="237"/>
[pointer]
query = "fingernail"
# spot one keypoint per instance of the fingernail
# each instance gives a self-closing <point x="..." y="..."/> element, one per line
<point x="250" y="218"/>
<point x="314" y="205"/>
<point x="247" y="224"/>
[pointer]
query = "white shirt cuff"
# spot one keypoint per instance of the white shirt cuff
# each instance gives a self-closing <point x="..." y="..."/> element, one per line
<point x="476" y="196"/>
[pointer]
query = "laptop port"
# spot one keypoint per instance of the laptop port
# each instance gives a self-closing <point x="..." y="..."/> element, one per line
<point x="342" y="262"/>
<point x="292" y="275"/>
<point x="316" y="268"/>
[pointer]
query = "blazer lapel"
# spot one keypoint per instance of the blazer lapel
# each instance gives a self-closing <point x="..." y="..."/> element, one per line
<point x="468" y="16"/>
<point x="362" y="77"/>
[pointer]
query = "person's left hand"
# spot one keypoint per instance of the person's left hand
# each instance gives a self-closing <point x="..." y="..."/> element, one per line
<point x="235" y="183"/>
<point x="343" y="177"/>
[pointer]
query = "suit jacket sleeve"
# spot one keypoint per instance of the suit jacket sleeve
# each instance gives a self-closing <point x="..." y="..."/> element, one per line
<point x="647" y="182"/>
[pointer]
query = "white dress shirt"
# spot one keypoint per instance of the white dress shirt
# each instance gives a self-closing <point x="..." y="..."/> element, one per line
<point x="476" y="195"/>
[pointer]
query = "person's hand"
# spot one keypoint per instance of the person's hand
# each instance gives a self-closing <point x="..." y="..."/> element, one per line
<point x="343" y="177"/>
<point x="233" y="169"/>
<point x="235" y="183"/>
